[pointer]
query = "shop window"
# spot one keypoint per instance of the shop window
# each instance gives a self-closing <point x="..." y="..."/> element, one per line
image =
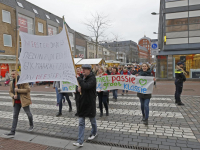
<point x="25" y="23"/>
<point x="7" y="40"/>
<point x="52" y="30"/>
<point x="177" y="28"/>
<point x="192" y="64"/>
<point x="162" y="66"/>
<point x="6" y="16"/>
<point x="40" y="27"/>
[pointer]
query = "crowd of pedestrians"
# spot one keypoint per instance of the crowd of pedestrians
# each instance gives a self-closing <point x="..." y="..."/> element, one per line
<point x="86" y="94"/>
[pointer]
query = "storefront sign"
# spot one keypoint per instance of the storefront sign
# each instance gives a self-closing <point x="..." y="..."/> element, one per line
<point x="23" y="24"/>
<point x="195" y="74"/>
<point x="46" y="58"/>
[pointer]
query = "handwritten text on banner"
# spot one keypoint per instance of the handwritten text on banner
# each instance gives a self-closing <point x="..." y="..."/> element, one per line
<point x="46" y="58"/>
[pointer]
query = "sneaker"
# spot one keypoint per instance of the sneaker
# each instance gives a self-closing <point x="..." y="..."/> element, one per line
<point x="180" y="104"/>
<point x="58" y="114"/>
<point x="78" y="144"/>
<point x="91" y="137"/>
<point x="30" y="128"/>
<point x="57" y="104"/>
<point x="11" y="134"/>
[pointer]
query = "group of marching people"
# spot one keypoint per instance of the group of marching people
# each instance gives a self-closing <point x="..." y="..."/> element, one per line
<point x="85" y="96"/>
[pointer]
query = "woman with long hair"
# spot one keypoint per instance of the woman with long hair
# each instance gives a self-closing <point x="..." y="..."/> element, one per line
<point x="145" y="98"/>
<point x="103" y="95"/>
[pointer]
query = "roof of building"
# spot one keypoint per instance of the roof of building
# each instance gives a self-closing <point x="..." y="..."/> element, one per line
<point x="147" y="38"/>
<point x="142" y="48"/>
<point x="29" y="6"/>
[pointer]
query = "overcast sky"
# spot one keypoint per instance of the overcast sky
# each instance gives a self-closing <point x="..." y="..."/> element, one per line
<point x="130" y="19"/>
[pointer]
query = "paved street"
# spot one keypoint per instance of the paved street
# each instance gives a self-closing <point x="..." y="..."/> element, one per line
<point x="170" y="127"/>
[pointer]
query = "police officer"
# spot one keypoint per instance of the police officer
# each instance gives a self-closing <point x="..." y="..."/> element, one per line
<point x="180" y="78"/>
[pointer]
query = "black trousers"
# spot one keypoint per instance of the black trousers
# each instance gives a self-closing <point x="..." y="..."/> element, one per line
<point x="179" y="88"/>
<point x="103" y="99"/>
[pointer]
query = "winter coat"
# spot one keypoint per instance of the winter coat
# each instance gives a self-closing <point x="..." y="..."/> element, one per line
<point x="87" y="99"/>
<point x="144" y="73"/>
<point x="23" y="92"/>
<point x="125" y="73"/>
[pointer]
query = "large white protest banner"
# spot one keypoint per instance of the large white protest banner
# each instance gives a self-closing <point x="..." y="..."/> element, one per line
<point x="46" y="58"/>
<point x="140" y="84"/>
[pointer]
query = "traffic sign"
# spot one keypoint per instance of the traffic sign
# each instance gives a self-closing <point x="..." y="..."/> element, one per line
<point x="154" y="46"/>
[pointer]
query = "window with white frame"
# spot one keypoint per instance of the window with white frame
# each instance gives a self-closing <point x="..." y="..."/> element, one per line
<point x="6" y="16"/>
<point x="25" y="23"/>
<point x="47" y="16"/>
<point x="35" y="11"/>
<point x="52" y="30"/>
<point x="7" y="40"/>
<point x="20" y="4"/>
<point x="40" y="27"/>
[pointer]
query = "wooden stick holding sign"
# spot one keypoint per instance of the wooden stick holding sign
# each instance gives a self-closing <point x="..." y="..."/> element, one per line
<point x="16" y="65"/>
<point x="70" y="47"/>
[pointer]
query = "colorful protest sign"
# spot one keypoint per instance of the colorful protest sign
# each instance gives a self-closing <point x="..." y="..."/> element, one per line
<point x="46" y="58"/>
<point x="138" y="84"/>
<point x="67" y="87"/>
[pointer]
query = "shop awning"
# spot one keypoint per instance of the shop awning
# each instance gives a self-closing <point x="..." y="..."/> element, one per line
<point x="90" y="61"/>
<point x="76" y="60"/>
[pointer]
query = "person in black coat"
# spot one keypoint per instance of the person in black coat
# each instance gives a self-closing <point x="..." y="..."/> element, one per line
<point x="86" y="103"/>
<point x="145" y="98"/>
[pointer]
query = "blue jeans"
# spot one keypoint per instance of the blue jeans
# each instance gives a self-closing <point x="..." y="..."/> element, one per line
<point x="60" y="97"/>
<point x="145" y="107"/>
<point x="115" y="94"/>
<point x="81" y="128"/>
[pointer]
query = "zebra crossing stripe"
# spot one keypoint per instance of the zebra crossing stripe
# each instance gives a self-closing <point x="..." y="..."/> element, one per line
<point x="111" y="111"/>
<point x="108" y="125"/>
<point x="121" y="103"/>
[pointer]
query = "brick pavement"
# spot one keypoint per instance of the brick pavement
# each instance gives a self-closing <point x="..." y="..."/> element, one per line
<point x="162" y="88"/>
<point x="10" y="144"/>
<point x="170" y="127"/>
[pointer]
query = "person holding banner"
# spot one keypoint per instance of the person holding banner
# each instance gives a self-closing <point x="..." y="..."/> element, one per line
<point x="145" y="98"/>
<point x="125" y="72"/>
<point x="22" y="99"/>
<point x="103" y="95"/>
<point x="56" y="84"/>
<point x="87" y="103"/>
<point x="115" y="72"/>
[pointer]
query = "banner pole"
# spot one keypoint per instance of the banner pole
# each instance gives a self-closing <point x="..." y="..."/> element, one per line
<point x="16" y="65"/>
<point x="70" y="47"/>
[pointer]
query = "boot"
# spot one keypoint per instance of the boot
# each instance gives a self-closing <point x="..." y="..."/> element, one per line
<point x="107" y="113"/>
<point x="70" y="109"/>
<point x="145" y="122"/>
<point x="101" y="114"/>
<point x="180" y="103"/>
<point x="143" y="118"/>
<point x="58" y="114"/>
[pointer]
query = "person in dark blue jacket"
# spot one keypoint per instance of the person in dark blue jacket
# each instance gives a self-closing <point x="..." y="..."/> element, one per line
<point x="145" y="98"/>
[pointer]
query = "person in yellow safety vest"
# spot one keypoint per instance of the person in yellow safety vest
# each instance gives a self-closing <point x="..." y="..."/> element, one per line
<point x="179" y="79"/>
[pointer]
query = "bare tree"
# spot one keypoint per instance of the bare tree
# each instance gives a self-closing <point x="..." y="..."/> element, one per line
<point x="97" y="25"/>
